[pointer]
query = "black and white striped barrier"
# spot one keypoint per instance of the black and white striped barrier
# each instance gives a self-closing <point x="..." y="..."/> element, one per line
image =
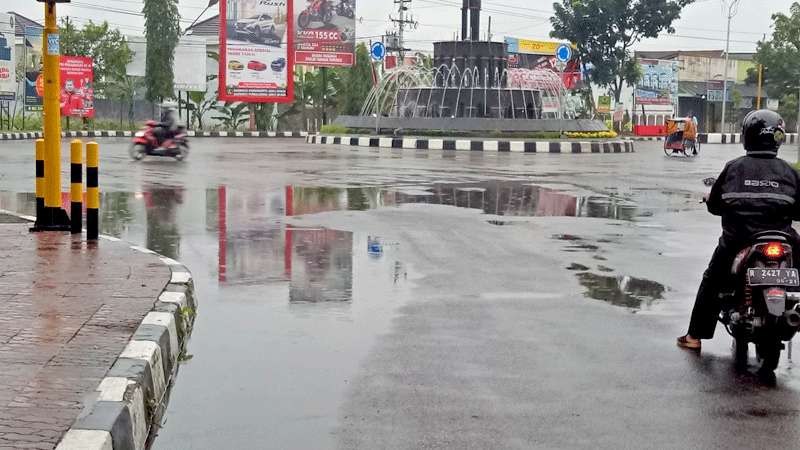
<point x="619" y="146"/>
<point x="111" y="134"/>
<point x="131" y="397"/>
<point x="718" y="138"/>
<point x="133" y="393"/>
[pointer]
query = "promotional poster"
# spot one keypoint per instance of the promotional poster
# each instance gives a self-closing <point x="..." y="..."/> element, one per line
<point x="77" y="86"/>
<point x="659" y="84"/>
<point x="8" y="82"/>
<point x="34" y="82"/>
<point x="255" y="62"/>
<point x="531" y="55"/>
<point x="325" y="32"/>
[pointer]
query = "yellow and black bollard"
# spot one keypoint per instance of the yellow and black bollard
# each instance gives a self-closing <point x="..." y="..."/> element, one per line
<point x="39" y="181"/>
<point x="92" y="190"/>
<point x="76" y="186"/>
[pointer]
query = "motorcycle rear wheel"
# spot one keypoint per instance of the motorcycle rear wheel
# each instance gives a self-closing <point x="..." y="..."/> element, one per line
<point x="741" y="347"/>
<point x="303" y="20"/>
<point x="137" y="152"/>
<point x="770" y="354"/>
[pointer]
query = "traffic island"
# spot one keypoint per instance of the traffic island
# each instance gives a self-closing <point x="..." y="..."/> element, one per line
<point x="479" y="145"/>
<point x="91" y="335"/>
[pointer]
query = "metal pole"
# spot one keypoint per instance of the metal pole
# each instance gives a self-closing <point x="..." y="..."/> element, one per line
<point x="798" y="124"/>
<point x="733" y="9"/>
<point x="725" y="76"/>
<point x="55" y="217"/>
<point x="760" y="81"/>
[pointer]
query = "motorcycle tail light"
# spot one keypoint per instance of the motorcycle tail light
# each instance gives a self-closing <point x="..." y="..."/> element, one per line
<point x="773" y="250"/>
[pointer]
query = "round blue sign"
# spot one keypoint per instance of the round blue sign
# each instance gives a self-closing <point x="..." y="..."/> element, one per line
<point x="378" y="51"/>
<point x="564" y="53"/>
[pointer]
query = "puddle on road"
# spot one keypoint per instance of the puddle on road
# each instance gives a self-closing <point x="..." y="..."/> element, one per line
<point x="499" y="198"/>
<point x="625" y="291"/>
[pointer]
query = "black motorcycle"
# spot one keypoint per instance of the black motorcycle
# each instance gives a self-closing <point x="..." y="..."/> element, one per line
<point x="764" y="308"/>
<point x="346" y="8"/>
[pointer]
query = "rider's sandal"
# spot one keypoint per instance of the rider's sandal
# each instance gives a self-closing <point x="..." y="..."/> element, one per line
<point x="684" y="342"/>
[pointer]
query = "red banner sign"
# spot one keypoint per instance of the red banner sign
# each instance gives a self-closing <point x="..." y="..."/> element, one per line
<point x="77" y="86"/>
<point x="325" y="33"/>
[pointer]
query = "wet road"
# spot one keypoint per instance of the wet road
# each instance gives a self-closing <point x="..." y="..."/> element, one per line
<point x="410" y="300"/>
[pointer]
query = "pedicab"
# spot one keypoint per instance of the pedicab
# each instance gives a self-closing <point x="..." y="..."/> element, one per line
<point x="681" y="138"/>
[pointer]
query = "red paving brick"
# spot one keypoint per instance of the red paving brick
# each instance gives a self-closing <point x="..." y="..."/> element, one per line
<point x="67" y="310"/>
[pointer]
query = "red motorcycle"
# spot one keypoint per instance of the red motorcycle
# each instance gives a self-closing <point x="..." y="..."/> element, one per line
<point x="317" y="11"/>
<point x="146" y="143"/>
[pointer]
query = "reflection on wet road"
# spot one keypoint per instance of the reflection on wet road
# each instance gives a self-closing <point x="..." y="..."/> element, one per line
<point x="399" y="300"/>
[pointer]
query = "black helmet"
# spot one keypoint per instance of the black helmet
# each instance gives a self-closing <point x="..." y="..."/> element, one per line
<point x="763" y="131"/>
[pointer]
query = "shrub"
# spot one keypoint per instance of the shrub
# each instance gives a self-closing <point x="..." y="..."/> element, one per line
<point x="591" y="134"/>
<point x="334" y="129"/>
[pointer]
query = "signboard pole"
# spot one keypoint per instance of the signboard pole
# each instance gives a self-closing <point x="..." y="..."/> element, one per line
<point x="55" y="217"/>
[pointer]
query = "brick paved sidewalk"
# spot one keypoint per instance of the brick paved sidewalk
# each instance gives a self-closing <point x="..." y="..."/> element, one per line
<point x="67" y="310"/>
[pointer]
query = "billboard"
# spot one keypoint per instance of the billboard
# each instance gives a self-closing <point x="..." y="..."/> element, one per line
<point x="189" y="64"/>
<point x="536" y="55"/>
<point x="529" y="47"/>
<point x="659" y="83"/>
<point x="325" y="33"/>
<point x="77" y="86"/>
<point x="255" y="63"/>
<point x="138" y="65"/>
<point x="34" y="82"/>
<point x="8" y="72"/>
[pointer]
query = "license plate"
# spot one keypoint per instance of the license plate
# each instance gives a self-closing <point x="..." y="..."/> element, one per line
<point x="773" y="277"/>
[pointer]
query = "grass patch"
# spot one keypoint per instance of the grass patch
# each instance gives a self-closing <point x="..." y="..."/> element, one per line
<point x="334" y="129"/>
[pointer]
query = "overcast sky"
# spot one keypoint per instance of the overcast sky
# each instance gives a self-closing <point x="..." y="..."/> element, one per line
<point x="702" y="26"/>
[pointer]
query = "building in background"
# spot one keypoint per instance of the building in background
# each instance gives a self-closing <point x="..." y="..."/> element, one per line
<point x="700" y="88"/>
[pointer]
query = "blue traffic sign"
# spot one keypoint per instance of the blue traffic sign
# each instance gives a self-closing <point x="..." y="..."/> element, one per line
<point x="564" y="53"/>
<point x="378" y="51"/>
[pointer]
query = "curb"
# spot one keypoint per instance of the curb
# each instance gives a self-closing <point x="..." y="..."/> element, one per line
<point x="131" y="398"/>
<point x="248" y="134"/>
<point x="718" y="138"/>
<point x="620" y="146"/>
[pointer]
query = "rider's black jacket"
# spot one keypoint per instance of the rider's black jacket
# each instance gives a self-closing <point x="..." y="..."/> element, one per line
<point x="757" y="192"/>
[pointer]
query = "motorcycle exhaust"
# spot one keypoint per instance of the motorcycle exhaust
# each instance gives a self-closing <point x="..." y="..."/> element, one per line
<point x="792" y="318"/>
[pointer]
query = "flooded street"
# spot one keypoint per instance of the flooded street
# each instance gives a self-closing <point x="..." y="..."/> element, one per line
<point x="386" y="299"/>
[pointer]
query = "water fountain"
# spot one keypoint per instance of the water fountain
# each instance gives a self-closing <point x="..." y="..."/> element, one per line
<point x="469" y="87"/>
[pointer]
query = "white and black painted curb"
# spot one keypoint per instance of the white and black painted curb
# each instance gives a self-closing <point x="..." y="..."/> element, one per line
<point x="98" y="134"/>
<point x="718" y="138"/>
<point x="476" y="145"/>
<point x="131" y="398"/>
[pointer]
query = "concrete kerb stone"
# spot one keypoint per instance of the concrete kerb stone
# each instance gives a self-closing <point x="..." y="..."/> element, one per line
<point x="131" y="397"/>
<point x="190" y="133"/>
<point x="476" y="145"/>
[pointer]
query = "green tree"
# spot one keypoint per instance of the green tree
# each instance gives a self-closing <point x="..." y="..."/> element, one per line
<point x="199" y="105"/>
<point x="107" y="48"/>
<point x="604" y="32"/>
<point x="356" y="83"/>
<point x="780" y="56"/>
<point x="162" y="31"/>
<point x="233" y="115"/>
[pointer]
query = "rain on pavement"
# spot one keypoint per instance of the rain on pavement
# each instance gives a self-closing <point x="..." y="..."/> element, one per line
<point x="401" y="299"/>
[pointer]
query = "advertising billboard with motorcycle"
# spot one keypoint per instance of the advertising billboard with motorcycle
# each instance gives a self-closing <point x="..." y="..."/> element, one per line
<point x="255" y="62"/>
<point x="77" y="86"/>
<point x="325" y="32"/>
<point x="8" y="73"/>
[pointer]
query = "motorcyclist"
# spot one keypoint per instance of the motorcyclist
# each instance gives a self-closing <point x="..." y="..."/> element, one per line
<point x="168" y="126"/>
<point x="754" y="193"/>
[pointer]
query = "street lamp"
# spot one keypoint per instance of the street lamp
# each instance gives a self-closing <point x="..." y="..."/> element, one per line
<point x="733" y="9"/>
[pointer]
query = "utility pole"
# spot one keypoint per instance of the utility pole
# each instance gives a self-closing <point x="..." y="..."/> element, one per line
<point x="733" y="9"/>
<point x="401" y="22"/>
